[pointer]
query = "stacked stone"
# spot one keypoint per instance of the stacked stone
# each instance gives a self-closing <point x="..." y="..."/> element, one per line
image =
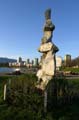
<point x="48" y="50"/>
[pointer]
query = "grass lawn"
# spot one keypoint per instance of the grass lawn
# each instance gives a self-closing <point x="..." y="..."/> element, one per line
<point x="71" y="69"/>
<point x="33" y="109"/>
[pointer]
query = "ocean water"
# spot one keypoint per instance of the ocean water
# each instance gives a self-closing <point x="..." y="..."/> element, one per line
<point x="6" y="70"/>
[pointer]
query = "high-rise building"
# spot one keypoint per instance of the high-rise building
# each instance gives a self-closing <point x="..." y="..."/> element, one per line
<point x="32" y="62"/>
<point x="19" y="60"/>
<point x="36" y="62"/>
<point x="58" y="62"/>
<point x="67" y="59"/>
<point x="28" y="61"/>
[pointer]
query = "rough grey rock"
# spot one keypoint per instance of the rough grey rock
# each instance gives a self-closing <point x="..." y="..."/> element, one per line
<point x="48" y="14"/>
<point x="45" y="47"/>
<point x="49" y="49"/>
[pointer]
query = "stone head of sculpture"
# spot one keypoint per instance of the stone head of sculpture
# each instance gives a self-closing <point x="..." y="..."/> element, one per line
<point x="48" y="14"/>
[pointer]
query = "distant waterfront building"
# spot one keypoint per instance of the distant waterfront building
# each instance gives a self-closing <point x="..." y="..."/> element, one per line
<point x="28" y="61"/>
<point x="67" y="60"/>
<point x="36" y="62"/>
<point x="10" y="64"/>
<point x="24" y="63"/>
<point x="19" y="60"/>
<point x="19" y="63"/>
<point x="32" y="62"/>
<point x="67" y="57"/>
<point x="58" y="62"/>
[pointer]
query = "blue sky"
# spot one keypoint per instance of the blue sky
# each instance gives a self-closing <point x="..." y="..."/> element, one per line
<point x="22" y="21"/>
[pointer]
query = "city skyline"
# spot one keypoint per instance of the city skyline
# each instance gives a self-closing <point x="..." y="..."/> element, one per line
<point x="21" y="27"/>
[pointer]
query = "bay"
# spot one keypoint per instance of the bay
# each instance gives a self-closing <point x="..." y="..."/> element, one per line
<point x="6" y="70"/>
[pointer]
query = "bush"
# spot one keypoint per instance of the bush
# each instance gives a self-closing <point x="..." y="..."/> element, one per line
<point x="24" y="101"/>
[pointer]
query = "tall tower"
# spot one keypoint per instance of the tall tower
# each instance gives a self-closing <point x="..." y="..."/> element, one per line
<point x="19" y="60"/>
<point x="67" y="60"/>
<point x="35" y="61"/>
<point x="28" y="61"/>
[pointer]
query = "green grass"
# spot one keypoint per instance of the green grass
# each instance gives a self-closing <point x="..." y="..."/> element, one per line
<point x="70" y="69"/>
<point x="32" y="107"/>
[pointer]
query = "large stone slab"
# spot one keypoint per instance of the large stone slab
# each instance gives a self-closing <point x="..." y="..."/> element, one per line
<point x="47" y="70"/>
<point x="47" y="37"/>
<point x="45" y="47"/>
<point x="48" y="65"/>
<point x="45" y="79"/>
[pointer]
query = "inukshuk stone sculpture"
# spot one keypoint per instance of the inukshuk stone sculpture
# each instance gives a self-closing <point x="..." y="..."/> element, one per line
<point x="48" y="50"/>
